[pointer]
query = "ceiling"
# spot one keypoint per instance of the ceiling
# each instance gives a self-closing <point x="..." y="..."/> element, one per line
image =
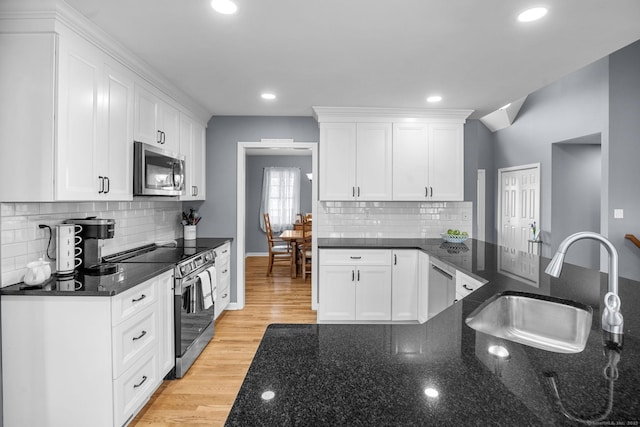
<point x="372" y="53"/>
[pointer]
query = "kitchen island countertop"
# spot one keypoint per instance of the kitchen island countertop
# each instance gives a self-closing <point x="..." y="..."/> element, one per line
<point x="380" y="374"/>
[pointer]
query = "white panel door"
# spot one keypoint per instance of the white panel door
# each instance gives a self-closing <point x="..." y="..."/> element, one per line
<point x="79" y="80"/>
<point x="446" y="162"/>
<point x="337" y="298"/>
<point x="373" y="164"/>
<point x="520" y="200"/>
<point x="373" y="293"/>
<point x="410" y="161"/>
<point x="404" y="283"/>
<point x="337" y="161"/>
<point x="115" y="158"/>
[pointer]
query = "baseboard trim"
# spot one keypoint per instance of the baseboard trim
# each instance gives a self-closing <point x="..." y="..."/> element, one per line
<point x="250" y="254"/>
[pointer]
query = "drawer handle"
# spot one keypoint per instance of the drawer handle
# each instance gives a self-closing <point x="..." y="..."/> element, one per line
<point x="356" y="257"/>
<point x="225" y="295"/>
<point x="224" y="271"/>
<point x="144" y="378"/>
<point x="467" y="287"/>
<point x="140" y="336"/>
<point x="139" y="299"/>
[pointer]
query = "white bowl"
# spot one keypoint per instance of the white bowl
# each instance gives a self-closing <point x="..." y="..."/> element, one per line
<point x="453" y="238"/>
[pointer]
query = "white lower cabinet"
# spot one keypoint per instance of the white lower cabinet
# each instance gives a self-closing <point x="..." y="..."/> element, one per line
<point x="73" y="360"/>
<point x="404" y="279"/>
<point x="223" y="278"/>
<point x="354" y="285"/>
<point x="466" y="284"/>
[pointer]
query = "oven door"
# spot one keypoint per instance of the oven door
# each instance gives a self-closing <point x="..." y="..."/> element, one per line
<point x="193" y="323"/>
<point x="157" y="172"/>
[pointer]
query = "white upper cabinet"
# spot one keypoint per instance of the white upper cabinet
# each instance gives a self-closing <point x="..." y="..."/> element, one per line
<point x="157" y="121"/>
<point x="337" y="161"/>
<point x="376" y="154"/>
<point x="192" y="146"/>
<point x="355" y="161"/>
<point x="71" y="108"/>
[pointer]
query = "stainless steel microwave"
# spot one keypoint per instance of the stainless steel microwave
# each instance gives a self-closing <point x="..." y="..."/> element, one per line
<point x="157" y="172"/>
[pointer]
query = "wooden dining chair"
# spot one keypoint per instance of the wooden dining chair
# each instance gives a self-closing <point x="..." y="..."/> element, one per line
<point x="304" y="249"/>
<point x="279" y="250"/>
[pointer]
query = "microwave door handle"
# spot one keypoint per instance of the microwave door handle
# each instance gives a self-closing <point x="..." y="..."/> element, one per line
<point x="177" y="165"/>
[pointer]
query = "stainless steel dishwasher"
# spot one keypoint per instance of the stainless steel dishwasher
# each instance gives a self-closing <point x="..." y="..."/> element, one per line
<point x="442" y="287"/>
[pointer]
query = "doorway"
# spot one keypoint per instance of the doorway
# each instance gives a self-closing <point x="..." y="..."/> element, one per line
<point x="255" y="148"/>
<point x="576" y="196"/>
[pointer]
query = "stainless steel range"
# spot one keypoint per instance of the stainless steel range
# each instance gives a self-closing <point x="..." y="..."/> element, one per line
<point x="194" y="296"/>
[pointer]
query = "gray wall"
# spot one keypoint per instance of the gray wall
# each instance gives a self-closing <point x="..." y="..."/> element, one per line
<point x="572" y="107"/>
<point x="624" y="155"/>
<point x="479" y="154"/>
<point x="576" y="170"/>
<point x="255" y="238"/>
<point x="223" y="135"/>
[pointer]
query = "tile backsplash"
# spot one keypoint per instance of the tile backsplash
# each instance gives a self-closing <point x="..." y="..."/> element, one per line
<point x="392" y="219"/>
<point x="137" y="223"/>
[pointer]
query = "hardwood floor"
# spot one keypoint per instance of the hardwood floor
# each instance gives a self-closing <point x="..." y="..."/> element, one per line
<point x="205" y="395"/>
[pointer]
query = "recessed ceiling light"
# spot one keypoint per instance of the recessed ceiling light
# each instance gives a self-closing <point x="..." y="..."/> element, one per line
<point x="226" y="7"/>
<point x="434" y="98"/>
<point x="268" y="96"/>
<point x="532" y="14"/>
<point x="431" y="392"/>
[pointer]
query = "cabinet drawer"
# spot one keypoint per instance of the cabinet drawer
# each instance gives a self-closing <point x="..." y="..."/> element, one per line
<point x="132" y="338"/>
<point x="223" y="252"/>
<point x="466" y="284"/>
<point x="133" y="301"/>
<point x="353" y="257"/>
<point x="132" y="390"/>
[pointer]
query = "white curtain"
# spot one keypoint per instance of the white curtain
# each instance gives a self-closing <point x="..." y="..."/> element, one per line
<point x="280" y="197"/>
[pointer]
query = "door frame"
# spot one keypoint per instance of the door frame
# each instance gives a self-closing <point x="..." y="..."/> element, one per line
<point x="501" y="171"/>
<point x="242" y="149"/>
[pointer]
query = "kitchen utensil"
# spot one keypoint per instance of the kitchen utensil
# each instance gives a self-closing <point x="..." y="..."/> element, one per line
<point x="37" y="272"/>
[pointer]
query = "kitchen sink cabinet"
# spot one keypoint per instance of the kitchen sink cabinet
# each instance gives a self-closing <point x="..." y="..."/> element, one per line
<point x="466" y="284"/>
<point x="428" y="162"/>
<point x="354" y="285"/>
<point x="156" y="119"/>
<point x="355" y="161"/>
<point x="192" y="146"/>
<point x="404" y="283"/>
<point x="78" y="358"/>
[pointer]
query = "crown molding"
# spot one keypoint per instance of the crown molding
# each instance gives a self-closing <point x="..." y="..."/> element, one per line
<point x="376" y="114"/>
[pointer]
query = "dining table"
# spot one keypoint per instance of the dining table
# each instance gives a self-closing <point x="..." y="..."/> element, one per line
<point x="293" y="237"/>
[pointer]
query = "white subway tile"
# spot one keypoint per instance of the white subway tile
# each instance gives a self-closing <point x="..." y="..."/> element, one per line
<point x="7" y="209"/>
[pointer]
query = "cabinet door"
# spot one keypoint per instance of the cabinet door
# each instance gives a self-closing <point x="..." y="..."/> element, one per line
<point x="337" y="293"/>
<point x="423" y="287"/>
<point x="337" y="161"/>
<point x="169" y="124"/>
<point x="76" y="151"/>
<point x="199" y="151"/>
<point x="373" y="293"/>
<point x="166" y="348"/>
<point x="410" y="161"/>
<point x="192" y="146"/>
<point x="446" y="162"/>
<point x="373" y="161"/>
<point x="145" y="116"/>
<point x="404" y="282"/>
<point x="115" y="159"/>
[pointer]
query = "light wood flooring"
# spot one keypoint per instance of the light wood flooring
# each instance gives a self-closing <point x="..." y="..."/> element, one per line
<point x="205" y="395"/>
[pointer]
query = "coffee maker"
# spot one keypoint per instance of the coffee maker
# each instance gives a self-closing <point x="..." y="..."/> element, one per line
<point x="92" y="235"/>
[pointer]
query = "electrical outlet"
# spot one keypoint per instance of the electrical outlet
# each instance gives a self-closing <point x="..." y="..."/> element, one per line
<point x="618" y="213"/>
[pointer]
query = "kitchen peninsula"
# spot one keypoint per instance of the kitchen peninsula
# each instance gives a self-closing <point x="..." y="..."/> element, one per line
<point x="441" y="372"/>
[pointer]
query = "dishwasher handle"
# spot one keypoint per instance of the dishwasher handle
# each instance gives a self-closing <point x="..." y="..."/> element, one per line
<point x="441" y="271"/>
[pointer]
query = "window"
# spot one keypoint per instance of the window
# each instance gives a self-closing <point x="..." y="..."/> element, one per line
<point x="280" y="197"/>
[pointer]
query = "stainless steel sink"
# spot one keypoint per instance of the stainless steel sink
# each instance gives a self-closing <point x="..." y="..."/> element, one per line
<point x="540" y="321"/>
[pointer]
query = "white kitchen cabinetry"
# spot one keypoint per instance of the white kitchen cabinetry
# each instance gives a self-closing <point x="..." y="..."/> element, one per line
<point x="355" y="285"/>
<point x="466" y="284"/>
<point x="192" y="146"/>
<point x="156" y="120"/>
<point x="79" y="358"/>
<point x="223" y="278"/>
<point x="355" y="161"/>
<point x="424" y="266"/>
<point x="404" y="279"/>
<point x="428" y="162"/>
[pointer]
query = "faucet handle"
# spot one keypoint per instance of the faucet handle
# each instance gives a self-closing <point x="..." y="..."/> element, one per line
<point x="612" y="320"/>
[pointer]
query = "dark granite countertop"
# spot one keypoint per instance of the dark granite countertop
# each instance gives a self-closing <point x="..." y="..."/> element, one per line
<point x="127" y="276"/>
<point x="376" y="375"/>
